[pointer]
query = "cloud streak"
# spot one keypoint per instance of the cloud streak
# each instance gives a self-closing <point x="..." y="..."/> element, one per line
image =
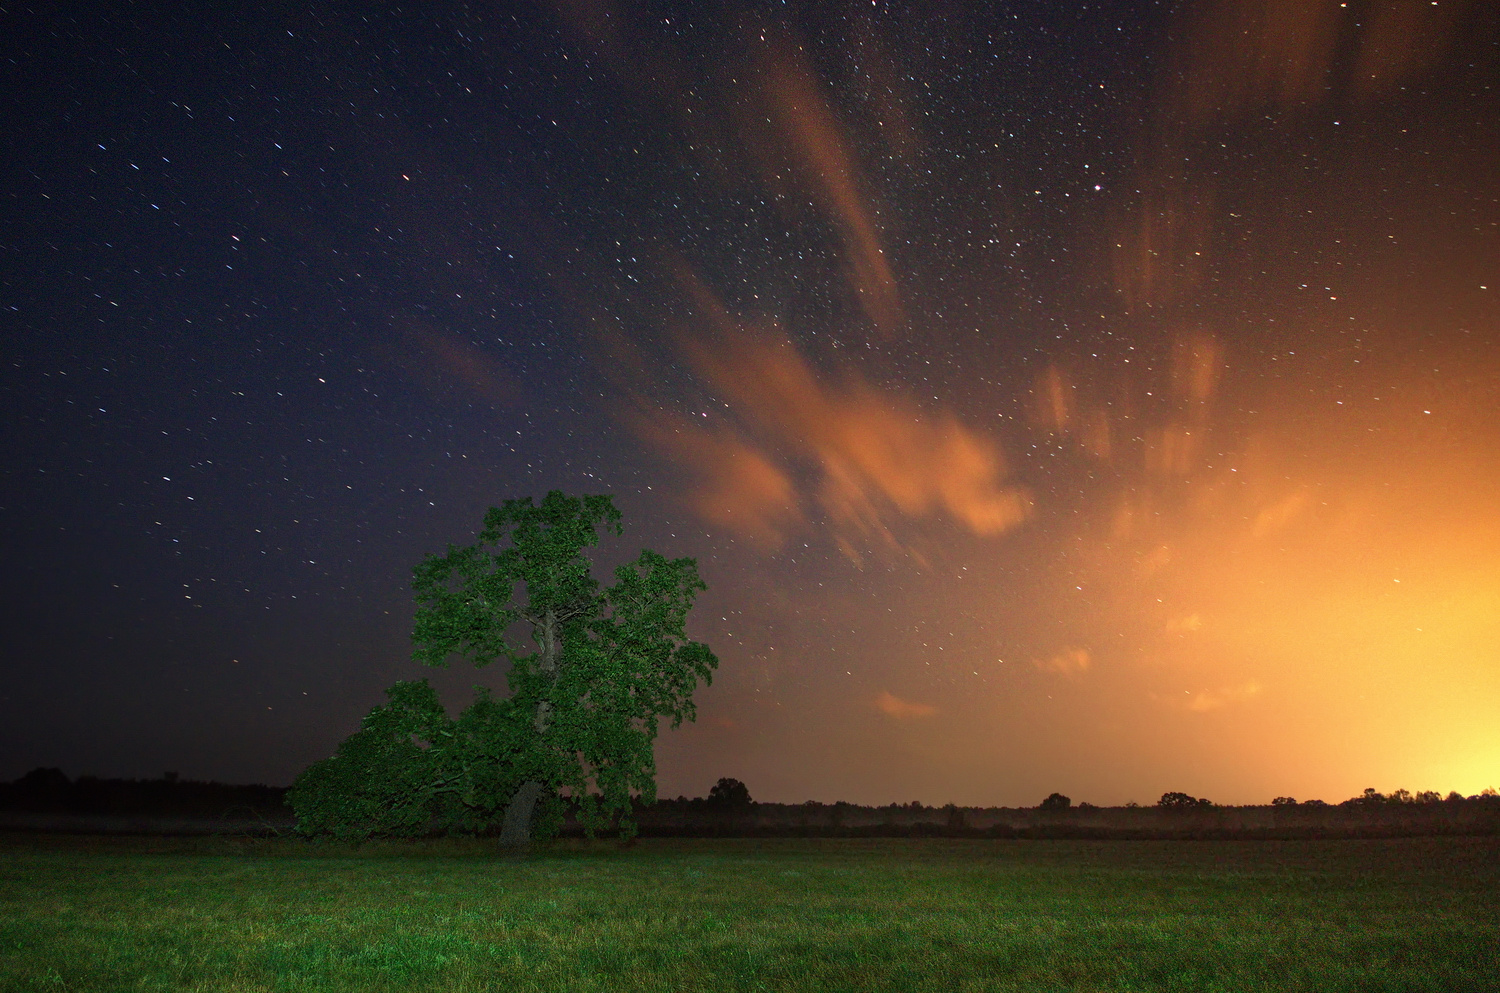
<point x="1072" y="662"/>
<point x="902" y="710"/>
<point x="816" y="145"/>
<point x="1209" y="700"/>
<point x="738" y="487"/>
<point x="874" y="456"/>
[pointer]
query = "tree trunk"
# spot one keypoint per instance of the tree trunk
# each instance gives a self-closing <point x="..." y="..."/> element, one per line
<point x="515" y="829"/>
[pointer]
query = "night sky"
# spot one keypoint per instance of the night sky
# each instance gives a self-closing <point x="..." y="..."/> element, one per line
<point x="1100" y="398"/>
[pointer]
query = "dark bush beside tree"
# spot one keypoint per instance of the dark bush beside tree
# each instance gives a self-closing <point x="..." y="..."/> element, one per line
<point x="1182" y="801"/>
<point x="730" y="794"/>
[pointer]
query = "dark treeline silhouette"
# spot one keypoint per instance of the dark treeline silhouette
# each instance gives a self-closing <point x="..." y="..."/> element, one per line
<point x="88" y="802"/>
<point x="1174" y="815"/>
<point x="50" y="791"/>
<point x="1183" y="801"/>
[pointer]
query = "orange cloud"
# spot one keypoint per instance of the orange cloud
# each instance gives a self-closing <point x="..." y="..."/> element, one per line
<point x="1197" y="361"/>
<point x="1071" y="662"/>
<point x="1159" y="253"/>
<point x="1184" y="624"/>
<point x="1054" y="400"/>
<point x="876" y="453"/>
<point x="820" y="152"/>
<point x="739" y="487"/>
<point x="1236" y="58"/>
<point x="1280" y="513"/>
<point x="1219" y="699"/>
<point x="1111" y="421"/>
<point x="453" y="357"/>
<point x="1241" y="54"/>
<point x="893" y="706"/>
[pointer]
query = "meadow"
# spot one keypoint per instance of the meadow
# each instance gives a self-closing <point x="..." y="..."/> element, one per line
<point x="238" y="915"/>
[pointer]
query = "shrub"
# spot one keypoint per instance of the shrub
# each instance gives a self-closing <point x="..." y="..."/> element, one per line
<point x="408" y="771"/>
<point x="1056" y="801"/>
<point x="1182" y="801"/>
<point x="1284" y="801"/>
<point x="730" y="794"/>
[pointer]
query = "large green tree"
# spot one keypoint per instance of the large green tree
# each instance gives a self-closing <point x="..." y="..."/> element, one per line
<point x="592" y="671"/>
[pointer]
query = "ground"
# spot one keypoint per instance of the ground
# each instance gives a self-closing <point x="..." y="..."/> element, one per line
<point x="227" y="914"/>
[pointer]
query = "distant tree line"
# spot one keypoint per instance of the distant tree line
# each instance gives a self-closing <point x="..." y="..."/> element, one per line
<point x="1369" y="798"/>
<point x="725" y="795"/>
<point x="50" y="790"/>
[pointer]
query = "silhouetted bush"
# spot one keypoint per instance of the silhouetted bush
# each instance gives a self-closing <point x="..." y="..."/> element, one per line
<point x="1284" y="801"/>
<point x="42" y="788"/>
<point x="1182" y="801"/>
<point x="1056" y="801"/>
<point x="730" y="794"/>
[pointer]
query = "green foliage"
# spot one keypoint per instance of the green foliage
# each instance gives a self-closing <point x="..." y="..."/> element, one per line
<point x="466" y="598"/>
<point x="409" y="771"/>
<point x="601" y="669"/>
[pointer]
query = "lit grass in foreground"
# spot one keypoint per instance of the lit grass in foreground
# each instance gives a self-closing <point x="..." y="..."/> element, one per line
<point x="218" y="915"/>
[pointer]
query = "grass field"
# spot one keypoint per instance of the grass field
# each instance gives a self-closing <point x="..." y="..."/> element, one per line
<point x="226" y="915"/>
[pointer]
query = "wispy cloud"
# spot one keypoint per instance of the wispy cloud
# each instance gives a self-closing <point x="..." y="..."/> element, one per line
<point x="737" y="486"/>
<point x="1072" y="662"/>
<point x="1236" y="58"/>
<point x="451" y="359"/>
<point x="817" y="146"/>
<point x="875" y="455"/>
<point x="1225" y="696"/>
<point x="893" y="706"/>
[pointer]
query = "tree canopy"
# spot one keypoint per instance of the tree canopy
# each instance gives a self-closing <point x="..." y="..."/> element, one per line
<point x="592" y="673"/>
<point x="730" y="794"/>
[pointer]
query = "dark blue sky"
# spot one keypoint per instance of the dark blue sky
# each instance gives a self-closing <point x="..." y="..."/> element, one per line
<point x="1045" y="390"/>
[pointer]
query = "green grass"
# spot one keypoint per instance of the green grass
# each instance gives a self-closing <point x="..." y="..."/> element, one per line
<point x="223" y="915"/>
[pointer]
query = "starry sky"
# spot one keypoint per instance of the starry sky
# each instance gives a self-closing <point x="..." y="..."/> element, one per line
<point x="1097" y="398"/>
